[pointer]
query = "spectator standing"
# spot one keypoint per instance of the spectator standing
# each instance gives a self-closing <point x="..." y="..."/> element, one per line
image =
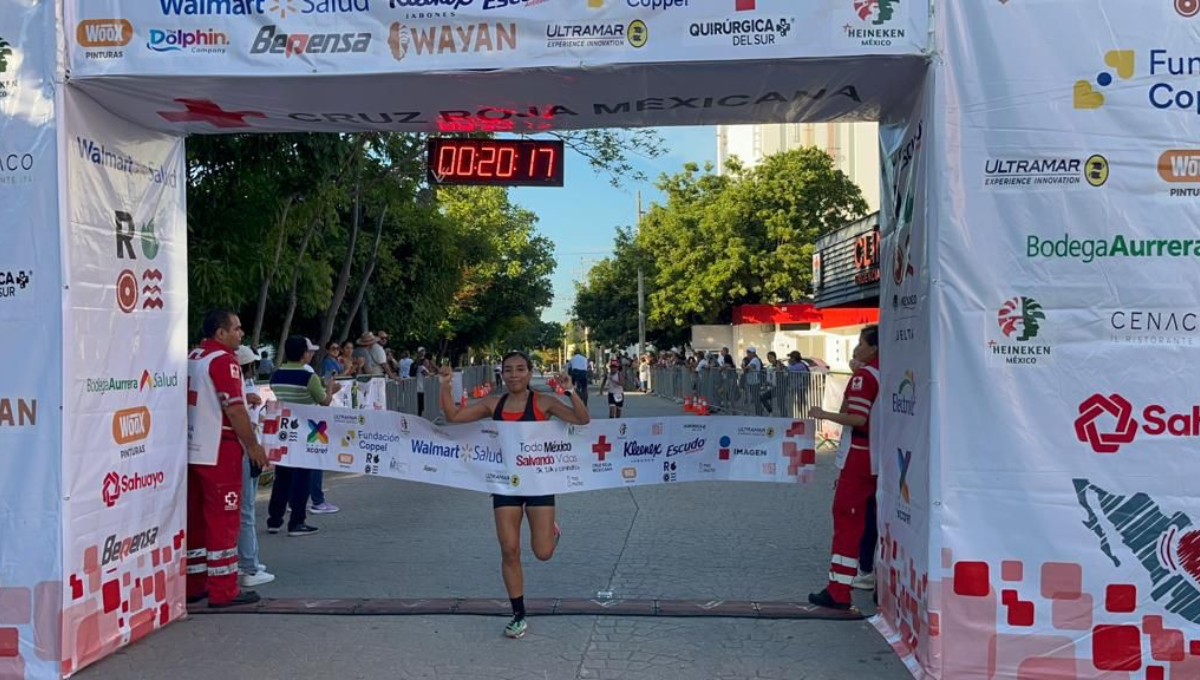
<point x="379" y="354"/>
<point x="366" y="352"/>
<point x="265" y="366"/>
<point x="796" y="363"/>
<point x="405" y="364"/>
<point x="219" y="435"/>
<point x="251" y="572"/>
<point x="295" y="383"/>
<point x="331" y="365"/>
<point x="418" y="371"/>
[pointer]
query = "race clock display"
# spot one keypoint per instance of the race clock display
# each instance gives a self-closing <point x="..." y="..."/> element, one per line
<point x="496" y="162"/>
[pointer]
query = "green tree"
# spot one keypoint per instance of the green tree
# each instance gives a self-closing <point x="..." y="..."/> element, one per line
<point x="505" y="267"/>
<point x="743" y="237"/>
<point x="307" y="232"/>
<point x="607" y="301"/>
<point x="534" y="335"/>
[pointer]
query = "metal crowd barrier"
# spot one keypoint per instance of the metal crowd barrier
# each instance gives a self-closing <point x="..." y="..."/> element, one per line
<point x="402" y="395"/>
<point x="781" y="394"/>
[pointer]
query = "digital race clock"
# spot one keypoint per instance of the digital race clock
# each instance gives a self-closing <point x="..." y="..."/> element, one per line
<point x="498" y="162"/>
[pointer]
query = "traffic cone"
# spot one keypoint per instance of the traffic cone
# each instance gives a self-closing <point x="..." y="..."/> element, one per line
<point x="462" y="402"/>
<point x="687" y="405"/>
<point x="703" y="406"/>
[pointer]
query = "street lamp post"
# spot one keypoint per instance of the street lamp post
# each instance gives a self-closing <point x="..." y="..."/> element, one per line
<point x="641" y="288"/>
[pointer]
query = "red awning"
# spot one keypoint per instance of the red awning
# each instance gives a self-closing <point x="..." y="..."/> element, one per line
<point x="805" y="313"/>
<point x="795" y="313"/>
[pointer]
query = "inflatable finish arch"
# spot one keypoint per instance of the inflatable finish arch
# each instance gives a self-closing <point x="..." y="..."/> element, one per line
<point x="1040" y="308"/>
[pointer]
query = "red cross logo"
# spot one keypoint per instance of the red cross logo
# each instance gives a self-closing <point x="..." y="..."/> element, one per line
<point x="204" y="110"/>
<point x="797" y="429"/>
<point x="601" y="447"/>
<point x="798" y="458"/>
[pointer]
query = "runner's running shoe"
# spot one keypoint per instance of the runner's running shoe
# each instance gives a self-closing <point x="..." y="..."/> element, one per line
<point x="516" y="628"/>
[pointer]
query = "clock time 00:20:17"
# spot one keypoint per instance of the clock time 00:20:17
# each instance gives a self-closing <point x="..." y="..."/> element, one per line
<point x="495" y="162"/>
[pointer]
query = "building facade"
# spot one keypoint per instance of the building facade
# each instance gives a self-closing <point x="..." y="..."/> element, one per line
<point x="853" y="146"/>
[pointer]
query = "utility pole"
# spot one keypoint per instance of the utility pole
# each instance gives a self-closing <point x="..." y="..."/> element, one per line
<point x="641" y="287"/>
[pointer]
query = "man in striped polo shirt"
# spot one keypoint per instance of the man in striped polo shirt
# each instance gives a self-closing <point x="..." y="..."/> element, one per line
<point x="859" y="469"/>
<point x="295" y="382"/>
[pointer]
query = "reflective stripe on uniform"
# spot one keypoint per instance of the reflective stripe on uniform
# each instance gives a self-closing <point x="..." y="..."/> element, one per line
<point x="844" y="561"/>
<point x="214" y="555"/>
<point x="840" y="578"/>
<point x="196" y="568"/>
<point x="222" y="571"/>
<point x="195" y="554"/>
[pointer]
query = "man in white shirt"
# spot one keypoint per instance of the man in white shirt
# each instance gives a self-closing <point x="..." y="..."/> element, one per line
<point x="753" y="363"/>
<point x="578" y="370"/>
<point x="702" y="361"/>
<point x="379" y="354"/>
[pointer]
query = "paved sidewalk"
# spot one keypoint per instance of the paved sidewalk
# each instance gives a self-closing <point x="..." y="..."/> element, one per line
<point x="392" y="539"/>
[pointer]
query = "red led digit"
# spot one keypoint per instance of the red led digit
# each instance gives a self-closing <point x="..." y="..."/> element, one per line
<point x="550" y="164"/>
<point x="466" y="162"/>
<point x="487" y="163"/>
<point x="507" y="171"/>
<point x="446" y="169"/>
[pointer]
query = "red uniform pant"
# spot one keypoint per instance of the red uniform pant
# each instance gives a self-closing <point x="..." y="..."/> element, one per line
<point x="855" y="485"/>
<point x="213" y="520"/>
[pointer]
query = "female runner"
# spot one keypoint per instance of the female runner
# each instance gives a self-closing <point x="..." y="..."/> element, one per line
<point x="520" y="404"/>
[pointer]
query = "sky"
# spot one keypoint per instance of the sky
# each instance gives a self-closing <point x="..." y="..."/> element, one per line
<point x="582" y="216"/>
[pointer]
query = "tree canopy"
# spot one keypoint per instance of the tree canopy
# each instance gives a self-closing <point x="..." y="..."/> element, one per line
<point x="720" y="240"/>
<point x="313" y="233"/>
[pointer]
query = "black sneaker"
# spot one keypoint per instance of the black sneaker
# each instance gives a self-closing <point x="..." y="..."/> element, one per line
<point x="244" y="597"/>
<point x="199" y="598"/>
<point x="824" y="599"/>
<point x="302" y="530"/>
<point x="273" y="529"/>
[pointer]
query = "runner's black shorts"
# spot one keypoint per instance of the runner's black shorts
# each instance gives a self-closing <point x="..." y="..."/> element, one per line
<point x="499" y="501"/>
<point x="612" y="399"/>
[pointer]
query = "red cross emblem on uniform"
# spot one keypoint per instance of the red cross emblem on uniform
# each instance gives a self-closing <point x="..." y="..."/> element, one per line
<point x="231" y="501"/>
<point x="601" y="447"/>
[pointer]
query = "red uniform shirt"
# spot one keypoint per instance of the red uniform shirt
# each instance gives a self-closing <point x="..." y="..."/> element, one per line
<point x="860" y="397"/>
<point x="227" y="376"/>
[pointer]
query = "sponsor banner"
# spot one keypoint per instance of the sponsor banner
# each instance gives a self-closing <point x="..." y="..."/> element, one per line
<point x="907" y="402"/>
<point x="540" y="100"/>
<point x="245" y="38"/>
<point x="527" y="459"/>
<point x="125" y="381"/>
<point x="31" y="578"/>
<point x="1063" y="308"/>
<point x="361" y="394"/>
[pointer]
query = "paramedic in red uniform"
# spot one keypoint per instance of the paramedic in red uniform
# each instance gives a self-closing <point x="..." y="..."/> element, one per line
<point x="219" y="434"/>
<point x="859" y="470"/>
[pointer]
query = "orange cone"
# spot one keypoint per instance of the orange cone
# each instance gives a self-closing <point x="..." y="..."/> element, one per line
<point x="687" y="405"/>
<point x="462" y="402"/>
